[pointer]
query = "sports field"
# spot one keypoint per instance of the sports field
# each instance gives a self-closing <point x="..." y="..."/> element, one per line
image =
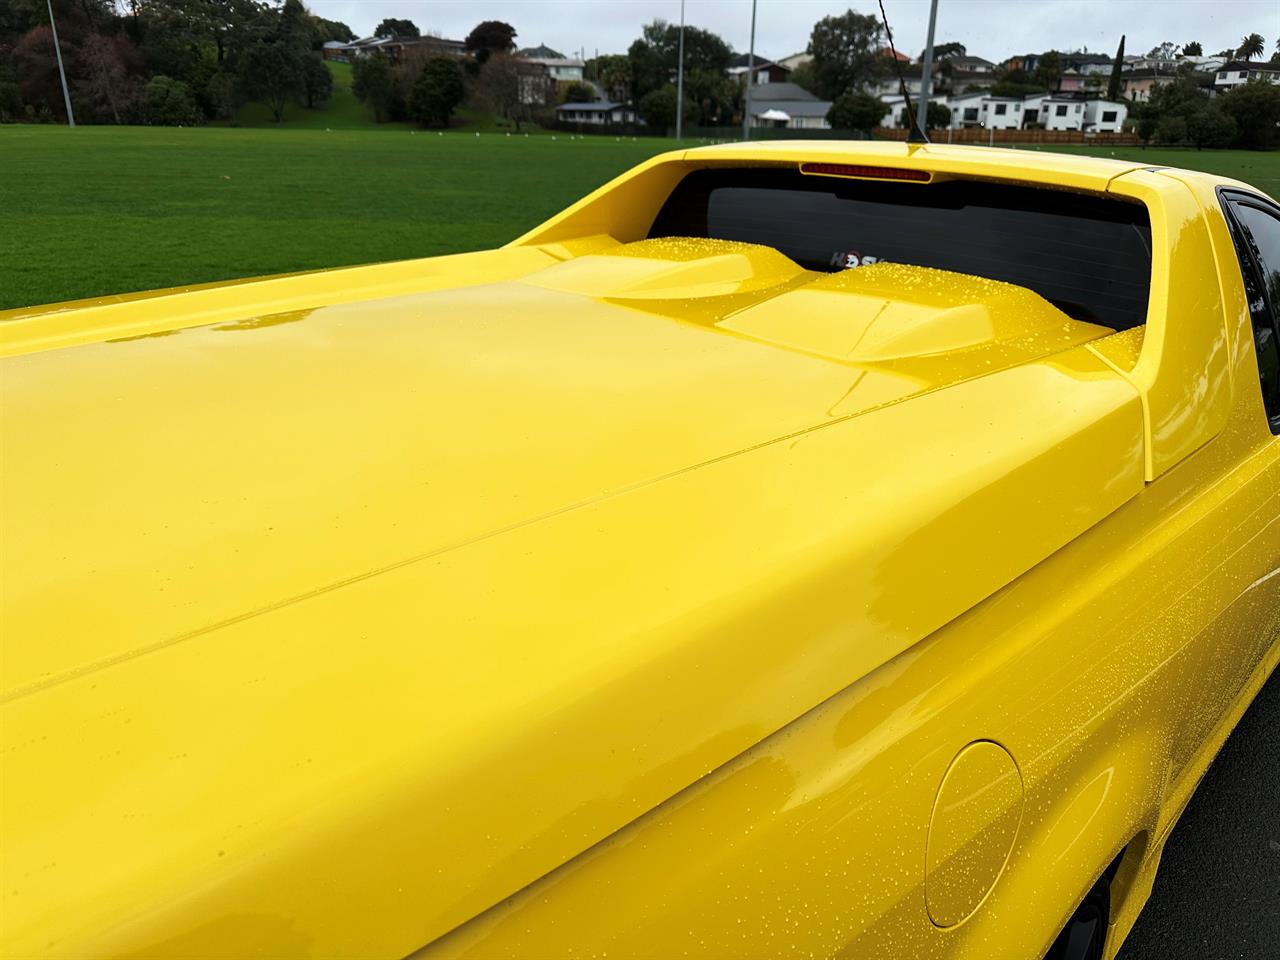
<point x="100" y="210"/>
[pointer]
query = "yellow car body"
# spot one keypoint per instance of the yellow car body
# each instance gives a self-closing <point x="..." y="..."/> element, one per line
<point x="603" y="595"/>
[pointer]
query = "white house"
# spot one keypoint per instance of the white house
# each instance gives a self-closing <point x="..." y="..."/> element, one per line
<point x="1211" y="64"/>
<point x="966" y="109"/>
<point x="1002" y="113"/>
<point x="896" y="118"/>
<point x="560" y="69"/>
<point x="1063" y="113"/>
<point x="600" y="112"/>
<point x="1242" y="71"/>
<point x="1104" y="116"/>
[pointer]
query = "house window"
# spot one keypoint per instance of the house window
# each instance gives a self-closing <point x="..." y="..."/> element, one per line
<point x="1061" y="111"/>
<point x="1108" y="116"/>
<point x="1000" y="108"/>
<point x="971" y="114"/>
<point x="1222" y="75"/>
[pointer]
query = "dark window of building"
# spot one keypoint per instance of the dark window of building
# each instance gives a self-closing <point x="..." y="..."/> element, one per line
<point x="1108" y="116"/>
<point x="1062" y="110"/>
<point x="1000" y="109"/>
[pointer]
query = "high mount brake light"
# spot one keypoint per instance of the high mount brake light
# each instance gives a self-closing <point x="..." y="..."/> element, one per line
<point x="865" y="172"/>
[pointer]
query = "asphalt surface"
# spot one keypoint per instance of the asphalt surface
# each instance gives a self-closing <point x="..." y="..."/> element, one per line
<point x="1217" y="893"/>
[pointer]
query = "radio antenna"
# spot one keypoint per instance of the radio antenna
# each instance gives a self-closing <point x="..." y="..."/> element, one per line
<point x="914" y="133"/>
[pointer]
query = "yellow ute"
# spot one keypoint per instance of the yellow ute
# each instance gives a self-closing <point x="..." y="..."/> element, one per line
<point x="803" y="549"/>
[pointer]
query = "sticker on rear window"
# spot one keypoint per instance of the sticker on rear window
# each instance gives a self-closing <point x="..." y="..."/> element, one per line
<point x="848" y="259"/>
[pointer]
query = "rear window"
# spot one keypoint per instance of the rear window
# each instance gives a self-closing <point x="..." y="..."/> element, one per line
<point x="1089" y="256"/>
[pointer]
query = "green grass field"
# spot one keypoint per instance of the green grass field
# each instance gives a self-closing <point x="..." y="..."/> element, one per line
<point x="100" y="210"/>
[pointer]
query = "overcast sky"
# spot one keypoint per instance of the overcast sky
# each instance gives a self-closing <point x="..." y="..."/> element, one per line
<point x="991" y="28"/>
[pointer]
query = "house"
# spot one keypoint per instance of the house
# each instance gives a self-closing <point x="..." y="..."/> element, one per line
<point x="335" y="50"/>
<point x="966" y="81"/>
<point x="912" y="77"/>
<point x="599" y="112"/>
<point x="1211" y="64"/>
<point x="967" y="64"/>
<point x="1062" y="111"/>
<point x="1136" y="85"/>
<point x="765" y="71"/>
<point x="890" y="53"/>
<point x="1071" y="81"/>
<point x="559" y="69"/>
<point x="1087" y="62"/>
<point x="396" y="48"/>
<point x="966" y="110"/>
<point x="896" y="117"/>
<point x="1002" y="113"/>
<point x="795" y="60"/>
<point x="1104" y="116"/>
<point x="540" y="52"/>
<point x="1237" y="72"/>
<point x="787" y="105"/>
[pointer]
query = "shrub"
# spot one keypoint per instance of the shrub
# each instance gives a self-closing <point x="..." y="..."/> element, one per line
<point x="169" y="103"/>
<point x="436" y="93"/>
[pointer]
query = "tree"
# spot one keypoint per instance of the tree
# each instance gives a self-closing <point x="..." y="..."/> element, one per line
<point x="857" y="111"/>
<point x="846" y="53"/>
<point x="1192" y="49"/>
<point x="579" y="92"/>
<point x="105" y="82"/>
<point x="490" y="37"/>
<point x="169" y="103"/>
<point x="937" y="116"/>
<point x="1255" y="107"/>
<point x="612" y="73"/>
<point x="1251" y="46"/>
<point x="945" y="51"/>
<point x="1113" y="85"/>
<point x="214" y="87"/>
<point x="1210" y="127"/>
<point x="36" y="68"/>
<point x="317" y="82"/>
<point x="371" y="83"/>
<point x="1171" y="128"/>
<point x="513" y="88"/>
<point x="802" y="76"/>
<point x="325" y="30"/>
<point x="658" y="109"/>
<point x="437" y="92"/>
<point x="1049" y="70"/>
<point x="397" y="29"/>
<point x="653" y="57"/>
<point x="1015" y="83"/>
<point x="271" y="71"/>
<point x="1163" y="51"/>
<point x="294" y="24"/>
<point x="176" y="31"/>
<point x="1146" y="128"/>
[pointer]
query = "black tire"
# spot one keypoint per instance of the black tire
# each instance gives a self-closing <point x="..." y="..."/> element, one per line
<point x="1085" y="935"/>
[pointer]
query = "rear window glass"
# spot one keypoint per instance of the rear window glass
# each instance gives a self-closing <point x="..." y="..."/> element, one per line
<point x="1089" y="256"/>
